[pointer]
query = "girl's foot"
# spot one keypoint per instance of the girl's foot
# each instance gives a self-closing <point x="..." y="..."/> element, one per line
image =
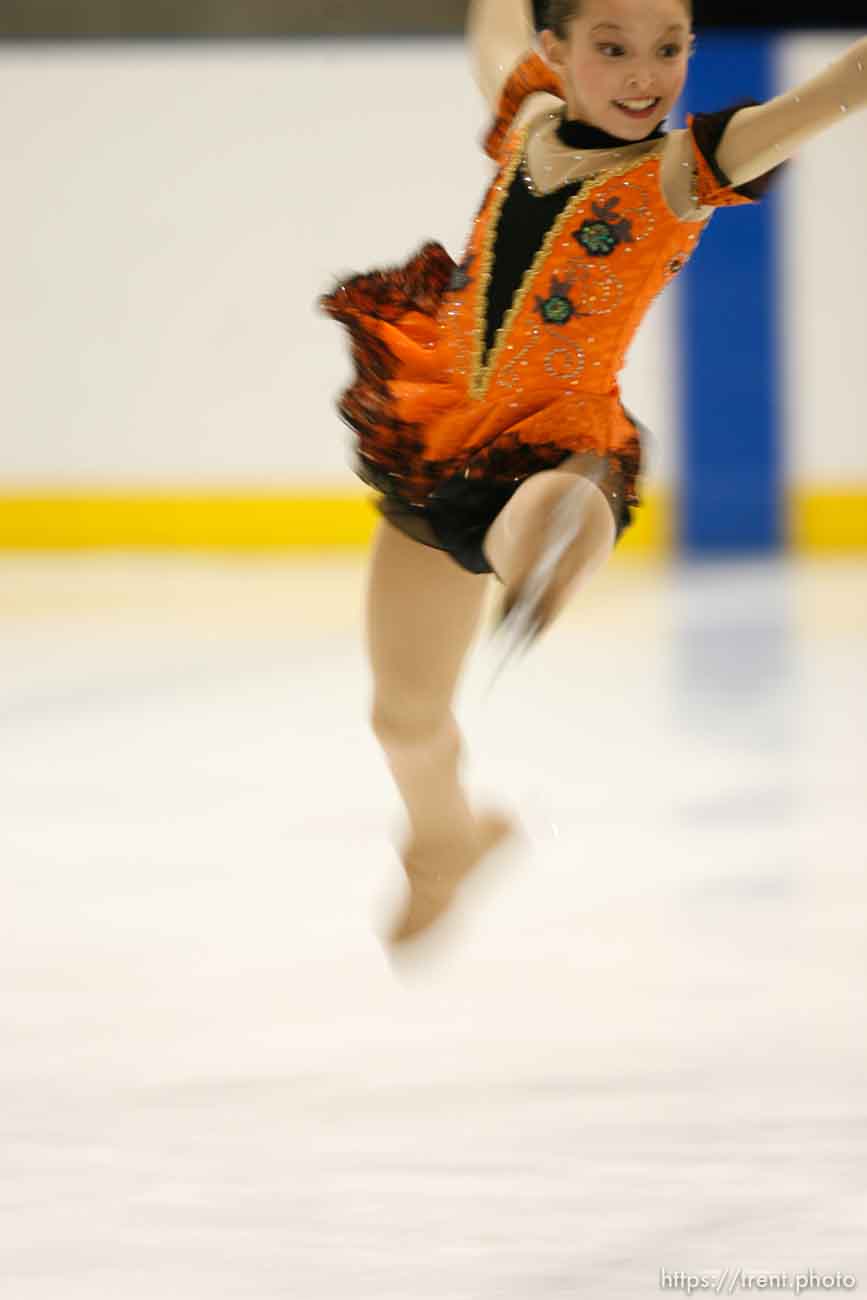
<point x="435" y="874"/>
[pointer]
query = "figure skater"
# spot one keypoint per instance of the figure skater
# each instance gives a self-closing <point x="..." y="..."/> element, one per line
<point x="485" y="408"/>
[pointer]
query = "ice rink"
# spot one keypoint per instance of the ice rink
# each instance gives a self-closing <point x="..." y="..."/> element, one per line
<point x="640" y="1045"/>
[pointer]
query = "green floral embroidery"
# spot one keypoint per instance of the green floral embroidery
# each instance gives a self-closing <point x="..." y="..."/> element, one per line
<point x="556" y="310"/>
<point x="558" y="307"/>
<point x="601" y="237"/>
<point x="598" y="238"/>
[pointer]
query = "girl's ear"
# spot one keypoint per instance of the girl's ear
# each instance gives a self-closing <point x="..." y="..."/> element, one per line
<point x="552" y="47"/>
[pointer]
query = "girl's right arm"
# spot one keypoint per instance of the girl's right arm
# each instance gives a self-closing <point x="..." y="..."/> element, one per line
<point x="500" y="33"/>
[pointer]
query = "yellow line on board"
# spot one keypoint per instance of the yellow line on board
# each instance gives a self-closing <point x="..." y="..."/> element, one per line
<point x="818" y="520"/>
<point x="828" y="520"/>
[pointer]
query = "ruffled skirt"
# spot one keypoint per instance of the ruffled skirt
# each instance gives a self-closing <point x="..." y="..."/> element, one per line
<point x="399" y="394"/>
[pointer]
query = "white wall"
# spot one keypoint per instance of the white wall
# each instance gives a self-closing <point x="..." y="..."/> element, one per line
<point x="824" y="252"/>
<point x="171" y="213"/>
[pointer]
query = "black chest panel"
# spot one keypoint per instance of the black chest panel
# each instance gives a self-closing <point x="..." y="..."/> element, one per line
<point x="525" y="220"/>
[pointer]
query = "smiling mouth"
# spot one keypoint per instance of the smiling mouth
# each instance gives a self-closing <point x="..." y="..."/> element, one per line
<point x="637" y="108"/>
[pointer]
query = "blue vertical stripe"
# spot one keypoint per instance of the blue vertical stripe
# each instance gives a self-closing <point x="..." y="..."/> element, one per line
<point x="731" y="490"/>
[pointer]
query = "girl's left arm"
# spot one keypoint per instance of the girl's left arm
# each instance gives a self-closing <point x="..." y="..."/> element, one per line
<point x="499" y="34"/>
<point x="758" y="138"/>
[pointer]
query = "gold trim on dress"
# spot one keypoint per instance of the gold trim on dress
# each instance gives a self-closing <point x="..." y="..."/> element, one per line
<point x="480" y="375"/>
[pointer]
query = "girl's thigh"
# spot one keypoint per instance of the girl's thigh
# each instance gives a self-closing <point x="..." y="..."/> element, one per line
<point x="422" y="613"/>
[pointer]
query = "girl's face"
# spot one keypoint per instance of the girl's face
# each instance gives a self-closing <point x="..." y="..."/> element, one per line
<point x="618" y="50"/>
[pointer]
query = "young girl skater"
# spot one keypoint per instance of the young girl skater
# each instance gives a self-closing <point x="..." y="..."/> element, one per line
<point x="486" y="408"/>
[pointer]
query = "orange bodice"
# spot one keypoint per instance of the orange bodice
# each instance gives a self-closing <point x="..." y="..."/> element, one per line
<point x="428" y="403"/>
<point x="557" y="355"/>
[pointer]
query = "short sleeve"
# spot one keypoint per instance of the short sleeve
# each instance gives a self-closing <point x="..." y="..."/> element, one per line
<point x="530" y="76"/>
<point x="713" y="189"/>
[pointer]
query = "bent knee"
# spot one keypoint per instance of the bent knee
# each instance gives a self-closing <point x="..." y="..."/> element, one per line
<point x="397" y="719"/>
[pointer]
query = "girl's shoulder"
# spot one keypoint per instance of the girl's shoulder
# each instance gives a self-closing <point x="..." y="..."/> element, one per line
<point x="532" y="89"/>
<point x="536" y="110"/>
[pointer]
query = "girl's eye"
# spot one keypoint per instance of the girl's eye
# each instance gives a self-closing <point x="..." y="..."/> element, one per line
<point x="674" y="48"/>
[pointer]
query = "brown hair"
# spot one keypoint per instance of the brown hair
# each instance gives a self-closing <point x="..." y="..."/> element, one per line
<point x="557" y="14"/>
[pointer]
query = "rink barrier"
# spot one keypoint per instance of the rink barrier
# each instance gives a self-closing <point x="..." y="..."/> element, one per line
<point x="816" y="520"/>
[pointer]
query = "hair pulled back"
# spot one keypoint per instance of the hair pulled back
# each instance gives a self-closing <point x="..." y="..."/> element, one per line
<point x="555" y="15"/>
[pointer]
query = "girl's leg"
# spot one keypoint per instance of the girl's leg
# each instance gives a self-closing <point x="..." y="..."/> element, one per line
<point x="517" y="537"/>
<point x="422" y="613"/>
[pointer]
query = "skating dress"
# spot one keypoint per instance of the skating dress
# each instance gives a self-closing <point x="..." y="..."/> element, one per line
<point x="470" y="377"/>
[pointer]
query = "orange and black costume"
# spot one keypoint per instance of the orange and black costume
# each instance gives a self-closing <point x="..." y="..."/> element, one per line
<point x="472" y="376"/>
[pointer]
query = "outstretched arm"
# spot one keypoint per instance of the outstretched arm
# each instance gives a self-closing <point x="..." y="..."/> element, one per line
<point x="759" y="138"/>
<point x="499" y="33"/>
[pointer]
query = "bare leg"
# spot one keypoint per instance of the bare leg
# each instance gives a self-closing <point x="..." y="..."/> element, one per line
<point x="516" y="539"/>
<point x="422" y="613"/>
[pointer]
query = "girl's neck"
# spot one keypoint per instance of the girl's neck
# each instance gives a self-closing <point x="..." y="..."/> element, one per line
<point x="581" y="135"/>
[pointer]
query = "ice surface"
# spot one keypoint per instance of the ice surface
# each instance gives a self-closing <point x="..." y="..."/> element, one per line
<point x="641" y="1046"/>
